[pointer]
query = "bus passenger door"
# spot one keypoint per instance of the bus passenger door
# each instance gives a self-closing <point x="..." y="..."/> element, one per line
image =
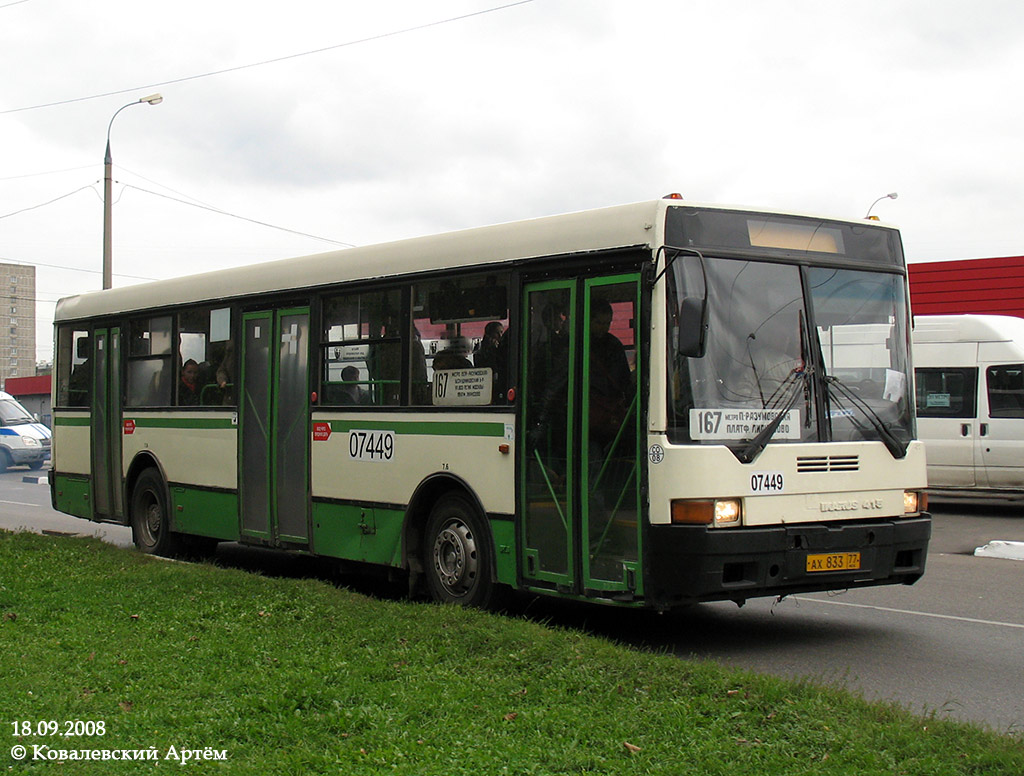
<point x="274" y="427"/>
<point x="610" y="448"/>
<point x="107" y="492"/>
<point x="579" y="488"/>
<point x="546" y="491"/>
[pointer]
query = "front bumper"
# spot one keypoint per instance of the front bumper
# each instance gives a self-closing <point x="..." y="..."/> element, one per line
<point x="22" y="455"/>
<point x="690" y="564"/>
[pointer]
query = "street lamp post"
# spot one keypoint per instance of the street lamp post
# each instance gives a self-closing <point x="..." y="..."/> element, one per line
<point x="108" y="272"/>
<point x="892" y="195"/>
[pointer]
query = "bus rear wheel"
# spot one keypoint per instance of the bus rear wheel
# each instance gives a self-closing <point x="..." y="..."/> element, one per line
<point x="458" y="565"/>
<point x="151" y="528"/>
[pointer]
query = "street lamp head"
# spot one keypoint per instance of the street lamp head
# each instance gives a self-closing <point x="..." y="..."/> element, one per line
<point x="890" y="195"/>
<point x="156" y="99"/>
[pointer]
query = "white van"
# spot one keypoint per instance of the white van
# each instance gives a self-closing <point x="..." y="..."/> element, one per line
<point x="22" y="439"/>
<point x="969" y="372"/>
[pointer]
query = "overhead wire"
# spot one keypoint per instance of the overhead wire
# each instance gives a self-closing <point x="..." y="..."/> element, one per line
<point x="234" y="215"/>
<point x="73" y="269"/>
<point x="237" y="68"/>
<point x="194" y="204"/>
<point x="50" y="202"/>
<point x="198" y="76"/>
<point x="46" y="172"/>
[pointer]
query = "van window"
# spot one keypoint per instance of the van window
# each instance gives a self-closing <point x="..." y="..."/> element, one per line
<point x="947" y="392"/>
<point x="1005" y="391"/>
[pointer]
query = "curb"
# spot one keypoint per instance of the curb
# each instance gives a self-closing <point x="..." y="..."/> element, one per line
<point x="1001" y="549"/>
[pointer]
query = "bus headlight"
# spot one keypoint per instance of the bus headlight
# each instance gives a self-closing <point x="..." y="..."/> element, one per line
<point x="30" y="441"/>
<point x="914" y="502"/>
<point x="717" y="512"/>
<point x="728" y="512"/>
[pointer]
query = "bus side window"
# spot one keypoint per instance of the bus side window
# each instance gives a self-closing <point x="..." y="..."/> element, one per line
<point x="461" y="324"/>
<point x="206" y="358"/>
<point x="150" y="376"/>
<point x="74" y="368"/>
<point x="362" y="349"/>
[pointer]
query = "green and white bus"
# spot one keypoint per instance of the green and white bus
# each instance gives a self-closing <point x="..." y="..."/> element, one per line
<point x="653" y="404"/>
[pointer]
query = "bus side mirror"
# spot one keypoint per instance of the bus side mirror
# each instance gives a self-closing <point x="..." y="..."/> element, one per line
<point x="693" y="324"/>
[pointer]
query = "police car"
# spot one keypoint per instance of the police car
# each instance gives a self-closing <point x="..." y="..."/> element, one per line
<point x="22" y="439"/>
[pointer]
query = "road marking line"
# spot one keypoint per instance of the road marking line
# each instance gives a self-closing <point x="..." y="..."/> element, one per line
<point x="919" y="614"/>
<point x="23" y="504"/>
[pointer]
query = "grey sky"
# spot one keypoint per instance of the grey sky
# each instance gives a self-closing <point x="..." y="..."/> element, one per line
<point x="546" y="107"/>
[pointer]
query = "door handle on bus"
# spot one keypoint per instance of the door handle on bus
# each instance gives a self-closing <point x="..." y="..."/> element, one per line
<point x="984" y="429"/>
<point x="965" y="429"/>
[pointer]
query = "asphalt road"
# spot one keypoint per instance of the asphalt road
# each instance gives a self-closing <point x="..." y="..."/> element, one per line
<point x="951" y="645"/>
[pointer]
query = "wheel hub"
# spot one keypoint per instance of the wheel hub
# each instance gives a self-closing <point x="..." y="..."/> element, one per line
<point x="455" y="558"/>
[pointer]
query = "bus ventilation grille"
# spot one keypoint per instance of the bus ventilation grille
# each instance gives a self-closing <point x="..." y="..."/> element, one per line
<point x="828" y="463"/>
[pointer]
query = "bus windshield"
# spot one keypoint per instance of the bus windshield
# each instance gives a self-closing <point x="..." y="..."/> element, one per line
<point x="825" y="348"/>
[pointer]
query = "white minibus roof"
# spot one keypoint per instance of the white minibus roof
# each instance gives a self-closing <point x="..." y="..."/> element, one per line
<point x="968" y="328"/>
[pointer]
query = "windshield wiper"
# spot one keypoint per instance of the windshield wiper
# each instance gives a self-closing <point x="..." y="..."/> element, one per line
<point x="758" y="443"/>
<point x="896" y="446"/>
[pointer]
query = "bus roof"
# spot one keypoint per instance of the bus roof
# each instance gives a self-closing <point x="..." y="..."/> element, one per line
<point x="968" y="328"/>
<point x="639" y="224"/>
<point x="593" y="230"/>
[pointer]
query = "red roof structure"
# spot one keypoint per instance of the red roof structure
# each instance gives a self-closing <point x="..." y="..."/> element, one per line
<point x="983" y="286"/>
<point x="28" y="386"/>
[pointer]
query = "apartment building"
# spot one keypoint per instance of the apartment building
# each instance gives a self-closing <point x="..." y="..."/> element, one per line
<point x="17" y="321"/>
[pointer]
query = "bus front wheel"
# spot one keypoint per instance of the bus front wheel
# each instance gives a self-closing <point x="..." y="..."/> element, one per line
<point x="458" y="566"/>
<point x="151" y="529"/>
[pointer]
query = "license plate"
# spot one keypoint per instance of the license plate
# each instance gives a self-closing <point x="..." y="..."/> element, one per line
<point x="834" y="561"/>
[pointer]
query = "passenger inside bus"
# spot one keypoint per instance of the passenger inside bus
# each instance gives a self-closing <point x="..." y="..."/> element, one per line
<point x="188" y="386"/>
<point x="487" y="352"/>
<point x="455" y="356"/>
<point x="80" y="384"/>
<point x="610" y="379"/>
<point x="350" y="392"/>
<point x="549" y="376"/>
<point x="384" y="362"/>
<point x="224" y="373"/>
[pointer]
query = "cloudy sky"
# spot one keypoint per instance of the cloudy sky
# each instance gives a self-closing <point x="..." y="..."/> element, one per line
<point x="369" y="122"/>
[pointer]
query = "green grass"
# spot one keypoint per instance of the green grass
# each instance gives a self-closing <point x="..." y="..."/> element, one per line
<point x="296" y="676"/>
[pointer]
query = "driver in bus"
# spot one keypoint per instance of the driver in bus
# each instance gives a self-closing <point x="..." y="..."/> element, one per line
<point x="771" y="361"/>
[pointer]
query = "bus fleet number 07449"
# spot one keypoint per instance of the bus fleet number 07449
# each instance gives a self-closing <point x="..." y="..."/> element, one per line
<point x="371" y="445"/>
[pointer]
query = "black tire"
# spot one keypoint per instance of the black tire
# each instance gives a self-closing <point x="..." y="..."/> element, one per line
<point x="456" y="554"/>
<point x="36" y="465"/>
<point x="151" y="526"/>
<point x="6" y="462"/>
